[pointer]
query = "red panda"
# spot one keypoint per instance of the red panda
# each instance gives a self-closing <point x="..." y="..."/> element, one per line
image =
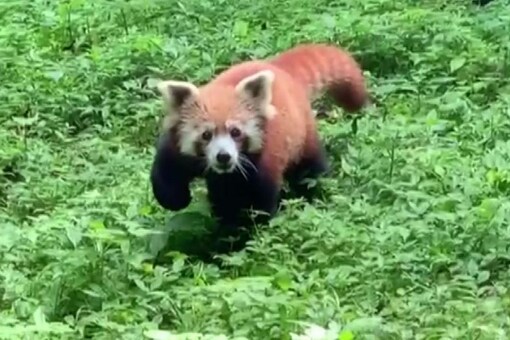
<point x="250" y="128"/>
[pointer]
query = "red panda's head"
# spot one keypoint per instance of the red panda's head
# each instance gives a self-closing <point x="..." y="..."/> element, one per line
<point x="219" y="122"/>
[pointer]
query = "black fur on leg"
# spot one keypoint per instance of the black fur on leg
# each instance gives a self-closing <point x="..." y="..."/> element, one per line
<point x="171" y="175"/>
<point x="233" y="197"/>
<point x="229" y="197"/>
<point x="310" y="167"/>
<point x="266" y="196"/>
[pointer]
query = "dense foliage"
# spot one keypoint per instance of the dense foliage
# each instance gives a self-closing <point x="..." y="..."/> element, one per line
<point x="411" y="239"/>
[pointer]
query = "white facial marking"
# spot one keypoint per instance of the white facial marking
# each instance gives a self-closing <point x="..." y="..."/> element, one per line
<point x="188" y="137"/>
<point x="169" y="121"/>
<point x="190" y="134"/>
<point x="254" y="134"/>
<point x="218" y="145"/>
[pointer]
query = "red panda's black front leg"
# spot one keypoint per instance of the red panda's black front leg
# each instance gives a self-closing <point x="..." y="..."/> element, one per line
<point x="227" y="195"/>
<point x="232" y="196"/>
<point x="171" y="175"/>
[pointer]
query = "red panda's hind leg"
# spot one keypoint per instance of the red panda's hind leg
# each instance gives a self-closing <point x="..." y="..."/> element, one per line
<point x="267" y="184"/>
<point x="312" y="165"/>
<point x="266" y="196"/>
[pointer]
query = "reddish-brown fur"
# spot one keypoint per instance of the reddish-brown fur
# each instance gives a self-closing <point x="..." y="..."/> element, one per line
<point x="319" y="66"/>
<point x="300" y="74"/>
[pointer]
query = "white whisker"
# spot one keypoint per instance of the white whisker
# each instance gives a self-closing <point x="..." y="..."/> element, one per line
<point x="242" y="170"/>
<point x="247" y="161"/>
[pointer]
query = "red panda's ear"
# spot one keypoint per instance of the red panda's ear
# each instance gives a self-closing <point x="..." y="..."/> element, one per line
<point x="257" y="88"/>
<point x="175" y="93"/>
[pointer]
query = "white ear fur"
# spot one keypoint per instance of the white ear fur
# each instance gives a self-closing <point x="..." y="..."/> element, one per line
<point x="175" y="92"/>
<point x="257" y="88"/>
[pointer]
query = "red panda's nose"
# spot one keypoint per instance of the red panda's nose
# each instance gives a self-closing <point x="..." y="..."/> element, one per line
<point x="223" y="157"/>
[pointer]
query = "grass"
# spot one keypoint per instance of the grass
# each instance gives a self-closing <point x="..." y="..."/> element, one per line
<point x="411" y="241"/>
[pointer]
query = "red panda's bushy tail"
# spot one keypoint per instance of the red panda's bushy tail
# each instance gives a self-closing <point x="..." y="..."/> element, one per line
<point x="322" y="67"/>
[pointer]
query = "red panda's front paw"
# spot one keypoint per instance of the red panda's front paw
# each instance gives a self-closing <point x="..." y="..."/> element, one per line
<point x="172" y="196"/>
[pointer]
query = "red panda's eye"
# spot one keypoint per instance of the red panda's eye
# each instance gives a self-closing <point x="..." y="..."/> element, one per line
<point x="235" y="132"/>
<point x="206" y="135"/>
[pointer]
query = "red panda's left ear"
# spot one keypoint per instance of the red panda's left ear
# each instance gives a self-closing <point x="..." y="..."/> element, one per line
<point x="257" y="88"/>
<point x="176" y="93"/>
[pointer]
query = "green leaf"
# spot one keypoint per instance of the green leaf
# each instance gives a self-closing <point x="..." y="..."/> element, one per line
<point x="74" y="235"/>
<point x="483" y="276"/>
<point x="152" y="82"/>
<point x="24" y="121"/>
<point x="186" y="232"/>
<point x="240" y="28"/>
<point x="39" y="317"/>
<point x="346" y="335"/>
<point x="96" y="225"/>
<point x="457" y="63"/>
<point x="55" y="75"/>
<point x="367" y="324"/>
<point x="489" y="207"/>
<point x="283" y="280"/>
<point x="329" y="21"/>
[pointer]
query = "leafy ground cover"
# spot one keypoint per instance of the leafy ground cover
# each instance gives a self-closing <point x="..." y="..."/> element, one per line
<point x="410" y="241"/>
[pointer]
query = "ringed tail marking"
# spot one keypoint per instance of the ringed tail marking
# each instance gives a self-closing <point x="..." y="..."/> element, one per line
<point x="320" y="67"/>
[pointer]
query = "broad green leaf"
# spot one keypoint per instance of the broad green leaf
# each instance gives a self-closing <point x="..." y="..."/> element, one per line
<point x="457" y="63"/>
<point x="240" y="28"/>
<point x="346" y="335"/>
<point x="283" y="280"/>
<point x="55" y="75"/>
<point x="39" y="317"/>
<point x="74" y="235"/>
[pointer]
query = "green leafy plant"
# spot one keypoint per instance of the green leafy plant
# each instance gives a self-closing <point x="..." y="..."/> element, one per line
<point x="408" y="240"/>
